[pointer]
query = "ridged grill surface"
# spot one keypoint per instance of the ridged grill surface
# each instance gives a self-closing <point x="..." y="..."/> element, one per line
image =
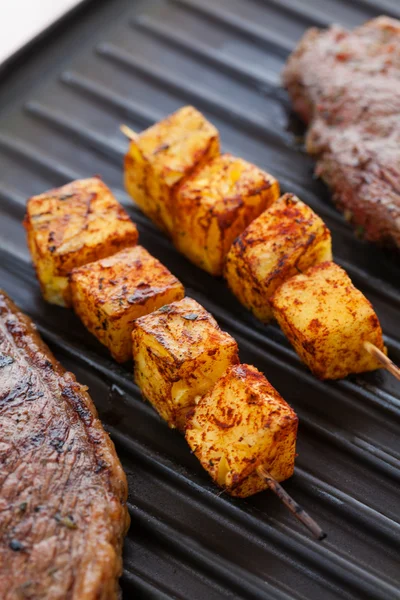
<point x="60" y="107"/>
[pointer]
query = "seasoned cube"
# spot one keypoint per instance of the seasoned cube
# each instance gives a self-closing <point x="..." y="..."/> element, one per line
<point x="179" y="352"/>
<point x="215" y="204"/>
<point x="328" y="320"/>
<point x="286" y="239"/>
<point x="70" y="226"/>
<point x="109" y="294"/>
<point x="164" y="154"/>
<point x="239" y="425"/>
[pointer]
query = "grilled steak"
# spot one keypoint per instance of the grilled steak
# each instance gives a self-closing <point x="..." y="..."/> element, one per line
<point x="62" y="488"/>
<point x="346" y="85"/>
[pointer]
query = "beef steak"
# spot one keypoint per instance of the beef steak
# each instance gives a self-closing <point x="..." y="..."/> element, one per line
<point x="346" y="86"/>
<point x="63" y="492"/>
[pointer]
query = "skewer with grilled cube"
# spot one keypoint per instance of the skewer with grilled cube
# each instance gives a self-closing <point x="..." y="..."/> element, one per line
<point x="161" y="156"/>
<point x="179" y="352"/>
<point x="70" y="226"/>
<point x="110" y="294"/>
<point x="215" y="204"/>
<point x="286" y="239"/>
<point x="240" y="424"/>
<point x="328" y="322"/>
<point x="239" y="427"/>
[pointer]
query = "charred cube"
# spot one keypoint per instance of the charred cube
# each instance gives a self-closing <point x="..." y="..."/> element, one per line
<point x="162" y="156"/>
<point x="286" y="239"/>
<point x="327" y="320"/>
<point x="179" y="352"/>
<point x="70" y="226"/>
<point x="110" y="294"/>
<point x="215" y="204"/>
<point x="242" y="423"/>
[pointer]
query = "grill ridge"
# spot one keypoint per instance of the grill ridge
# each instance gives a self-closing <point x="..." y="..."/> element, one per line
<point x="261" y="81"/>
<point x="255" y="33"/>
<point x="192" y="93"/>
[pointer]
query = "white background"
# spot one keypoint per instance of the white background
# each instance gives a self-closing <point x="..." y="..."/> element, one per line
<point x="21" y="20"/>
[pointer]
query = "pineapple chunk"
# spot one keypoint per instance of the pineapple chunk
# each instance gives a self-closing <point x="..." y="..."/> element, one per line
<point x="70" y="226"/>
<point x="287" y="238"/>
<point x="109" y="294"/>
<point x="215" y="204"/>
<point x="179" y="352"/>
<point x="327" y="320"/>
<point x="164" y="154"/>
<point x="240" y="424"/>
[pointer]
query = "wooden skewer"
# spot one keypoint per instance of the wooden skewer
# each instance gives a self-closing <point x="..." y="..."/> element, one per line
<point x="132" y="135"/>
<point x="291" y="504"/>
<point x="383" y="359"/>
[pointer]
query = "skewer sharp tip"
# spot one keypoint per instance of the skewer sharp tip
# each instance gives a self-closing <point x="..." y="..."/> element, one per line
<point x="383" y="359"/>
<point x="291" y="504"/>
<point x="128" y="132"/>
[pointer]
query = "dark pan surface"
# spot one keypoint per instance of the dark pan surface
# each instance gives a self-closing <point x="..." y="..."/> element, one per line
<point x="61" y="103"/>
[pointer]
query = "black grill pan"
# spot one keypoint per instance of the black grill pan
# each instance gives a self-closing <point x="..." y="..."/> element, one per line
<point x="61" y="102"/>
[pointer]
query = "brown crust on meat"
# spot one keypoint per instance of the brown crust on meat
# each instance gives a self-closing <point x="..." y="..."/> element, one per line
<point x="346" y="86"/>
<point x="63" y="491"/>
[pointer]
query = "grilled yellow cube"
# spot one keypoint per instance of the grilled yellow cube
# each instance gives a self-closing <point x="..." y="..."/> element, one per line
<point x="328" y="320"/>
<point x="239" y="425"/>
<point x="215" y="204"/>
<point x="70" y="226"/>
<point x="109" y="294"/>
<point x="179" y="352"/>
<point x="286" y="239"/>
<point x="162" y="156"/>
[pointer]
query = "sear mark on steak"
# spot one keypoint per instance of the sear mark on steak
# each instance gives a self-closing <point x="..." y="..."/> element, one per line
<point x="346" y="86"/>
<point x="63" y="492"/>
